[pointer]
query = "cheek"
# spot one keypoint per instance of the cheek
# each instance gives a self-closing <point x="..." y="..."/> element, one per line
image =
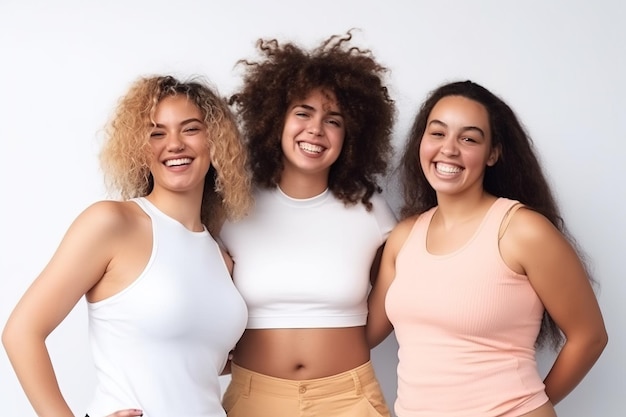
<point x="425" y="154"/>
<point x="286" y="149"/>
<point x="290" y="127"/>
<point x="152" y="152"/>
<point x="284" y="142"/>
<point x="155" y="146"/>
<point x="206" y="151"/>
<point x="338" y="138"/>
<point x="479" y="159"/>
<point x="205" y="147"/>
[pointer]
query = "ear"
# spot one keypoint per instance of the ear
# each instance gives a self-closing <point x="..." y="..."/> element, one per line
<point x="494" y="155"/>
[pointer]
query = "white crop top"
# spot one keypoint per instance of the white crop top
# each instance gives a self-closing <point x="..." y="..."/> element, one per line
<point x="160" y="344"/>
<point x="306" y="263"/>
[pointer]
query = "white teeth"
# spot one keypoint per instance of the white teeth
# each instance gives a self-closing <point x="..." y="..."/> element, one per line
<point x="309" y="147"/>
<point x="447" y="169"/>
<point x="177" y="162"/>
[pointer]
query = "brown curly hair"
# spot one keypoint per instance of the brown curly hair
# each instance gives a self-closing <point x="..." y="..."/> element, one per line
<point x="125" y="156"/>
<point x="286" y="73"/>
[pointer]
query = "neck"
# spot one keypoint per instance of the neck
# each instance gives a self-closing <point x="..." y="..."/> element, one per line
<point x="300" y="185"/>
<point x="453" y="210"/>
<point x="185" y="207"/>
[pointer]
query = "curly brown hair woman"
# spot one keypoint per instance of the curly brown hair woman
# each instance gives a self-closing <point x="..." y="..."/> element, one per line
<point x="317" y="125"/>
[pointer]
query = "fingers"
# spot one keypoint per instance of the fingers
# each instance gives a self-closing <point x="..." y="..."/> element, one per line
<point x="132" y="412"/>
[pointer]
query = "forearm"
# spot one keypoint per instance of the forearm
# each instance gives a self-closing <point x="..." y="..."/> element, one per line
<point x="31" y="362"/>
<point x="377" y="330"/>
<point x="570" y="367"/>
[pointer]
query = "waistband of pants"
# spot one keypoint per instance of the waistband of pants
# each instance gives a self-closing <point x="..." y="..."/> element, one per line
<point x="341" y="383"/>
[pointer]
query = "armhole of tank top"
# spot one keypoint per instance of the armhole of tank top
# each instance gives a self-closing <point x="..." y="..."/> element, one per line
<point x="507" y="219"/>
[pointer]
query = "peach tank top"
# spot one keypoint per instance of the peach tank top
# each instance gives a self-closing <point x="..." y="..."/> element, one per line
<point x="466" y="325"/>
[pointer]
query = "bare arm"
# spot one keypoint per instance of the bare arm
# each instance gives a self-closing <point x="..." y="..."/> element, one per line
<point x="559" y="278"/>
<point x="378" y="325"/>
<point x="78" y="264"/>
<point x="230" y="265"/>
<point x="228" y="261"/>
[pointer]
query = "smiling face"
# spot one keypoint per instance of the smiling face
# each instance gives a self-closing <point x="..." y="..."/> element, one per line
<point x="456" y="146"/>
<point x="313" y="135"/>
<point x="178" y="139"/>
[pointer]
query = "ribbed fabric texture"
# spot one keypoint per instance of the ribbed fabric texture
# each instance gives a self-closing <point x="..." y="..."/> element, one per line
<point x="466" y="326"/>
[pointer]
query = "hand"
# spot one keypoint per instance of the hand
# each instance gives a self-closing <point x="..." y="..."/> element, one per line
<point x="226" y="370"/>
<point x="133" y="412"/>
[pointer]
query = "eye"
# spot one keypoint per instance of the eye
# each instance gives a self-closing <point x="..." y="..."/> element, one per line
<point x="334" y="122"/>
<point x="468" y="139"/>
<point x="157" y="134"/>
<point x="192" y="128"/>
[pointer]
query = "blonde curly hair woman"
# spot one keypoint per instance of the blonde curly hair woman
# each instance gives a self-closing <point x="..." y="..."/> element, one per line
<point x="163" y="310"/>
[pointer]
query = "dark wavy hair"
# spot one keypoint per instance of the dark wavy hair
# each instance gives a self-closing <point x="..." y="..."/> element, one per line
<point x="286" y="73"/>
<point x="516" y="175"/>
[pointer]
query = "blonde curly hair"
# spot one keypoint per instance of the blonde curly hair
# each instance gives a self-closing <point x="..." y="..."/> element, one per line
<point x="126" y="154"/>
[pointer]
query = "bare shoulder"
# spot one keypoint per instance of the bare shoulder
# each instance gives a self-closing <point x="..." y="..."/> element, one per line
<point x="406" y="225"/>
<point x="530" y="239"/>
<point x="110" y="215"/>
<point x="400" y="233"/>
<point x="530" y="227"/>
<point x="115" y="237"/>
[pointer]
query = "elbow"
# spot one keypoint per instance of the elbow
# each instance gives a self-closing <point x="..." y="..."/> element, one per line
<point x="601" y="341"/>
<point x="601" y="338"/>
<point x="15" y="338"/>
<point x="7" y="338"/>
<point x="369" y="338"/>
<point x="596" y="342"/>
<point x="376" y="337"/>
<point x="372" y="342"/>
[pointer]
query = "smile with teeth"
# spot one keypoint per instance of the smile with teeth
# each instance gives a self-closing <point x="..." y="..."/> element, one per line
<point x="309" y="147"/>
<point x="177" y="162"/>
<point x="447" y="169"/>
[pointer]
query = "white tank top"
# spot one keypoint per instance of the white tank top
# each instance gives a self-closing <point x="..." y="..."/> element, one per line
<point x="160" y="344"/>
<point x="305" y="263"/>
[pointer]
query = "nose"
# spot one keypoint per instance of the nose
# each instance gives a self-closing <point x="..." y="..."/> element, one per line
<point x="315" y="127"/>
<point x="175" y="143"/>
<point x="449" y="147"/>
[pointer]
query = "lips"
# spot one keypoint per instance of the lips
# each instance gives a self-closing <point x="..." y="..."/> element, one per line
<point x="444" y="168"/>
<point x="177" y="162"/>
<point x="309" y="147"/>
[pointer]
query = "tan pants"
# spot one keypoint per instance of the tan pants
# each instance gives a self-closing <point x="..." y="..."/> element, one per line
<point x="354" y="393"/>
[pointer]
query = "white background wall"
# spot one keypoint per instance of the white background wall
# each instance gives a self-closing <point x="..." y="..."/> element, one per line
<point x="63" y="64"/>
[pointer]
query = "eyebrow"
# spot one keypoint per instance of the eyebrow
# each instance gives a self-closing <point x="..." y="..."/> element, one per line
<point x="184" y="122"/>
<point x="464" y="129"/>
<point x="311" y="108"/>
